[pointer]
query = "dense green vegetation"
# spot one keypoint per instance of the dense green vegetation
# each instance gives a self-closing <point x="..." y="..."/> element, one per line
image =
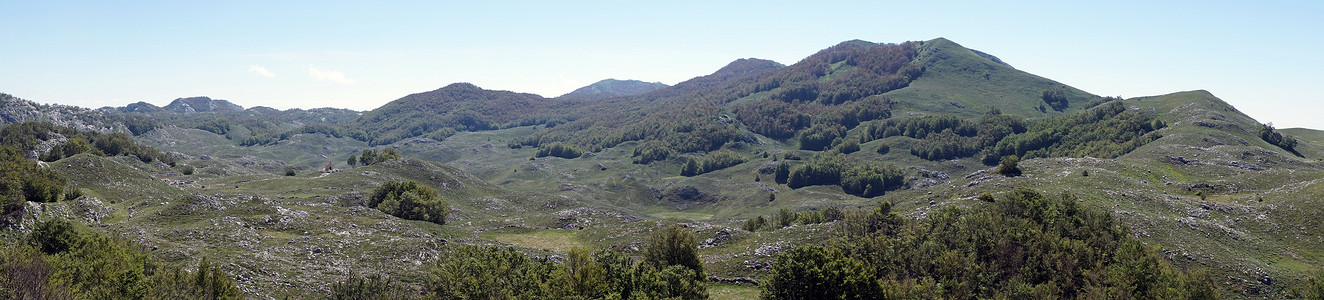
<point x="670" y="269"/>
<point x="410" y="200"/>
<point x="371" y="157"/>
<point x="651" y="151"/>
<point x="60" y="260"/>
<point x="26" y="137"/>
<point x="841" y="87"/>
<point x="23" y="180"/>
<point x="1025" y="245"/>
<point x="945" y="137"/>
<point x="561" y="150"/>
<point x="1056" y="97"/>
<point x="1106" y="131"/>
<point x="834" y="168"/>
<point x="1010" y="166"/>
<point x="1268" y="134"/>
<point x="456" y="107"/>
<point x="714" y="161"/>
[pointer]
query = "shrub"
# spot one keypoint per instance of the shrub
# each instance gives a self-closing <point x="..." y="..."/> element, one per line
<point x="375" y="286"/>
<point x="674" y="246"/>
<point x="470" y="272"/>
<point x="985" y="196"/>
<point x="848" y="147"/>
<point x="1009" y="166"/>
<point x="60" y="262"/>
<point x="1001" y="251"/>
<point x="813" y="272"/>
<point x="289" y="171"/>
<point x="54" y="236"/>
<point x="754" y="224"/>
<point x="410" y="200"/>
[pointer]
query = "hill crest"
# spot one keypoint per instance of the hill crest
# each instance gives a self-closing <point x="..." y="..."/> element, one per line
<point x="608" y="88"/>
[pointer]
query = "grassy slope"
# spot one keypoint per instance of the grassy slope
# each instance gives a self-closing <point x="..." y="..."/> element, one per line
<point x="1311" y="141"/>
<point x="293" y="235"/>
<point x="956" y="74"/>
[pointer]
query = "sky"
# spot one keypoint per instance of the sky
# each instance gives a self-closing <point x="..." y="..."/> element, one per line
<point x="1260" y="56"/>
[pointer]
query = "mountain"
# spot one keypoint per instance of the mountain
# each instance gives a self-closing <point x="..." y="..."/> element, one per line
<point x="609" y="88"/>
<point x="201" y="105"/>
<point x="856" y="151"/>
<point x="455" y="107"/>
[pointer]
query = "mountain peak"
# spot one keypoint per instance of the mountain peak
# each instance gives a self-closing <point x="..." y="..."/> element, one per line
<point x="611" y="87"/>
<point x="201" y="104"/>
<point x="746" y="66"/>
<point x="460" y="86"/>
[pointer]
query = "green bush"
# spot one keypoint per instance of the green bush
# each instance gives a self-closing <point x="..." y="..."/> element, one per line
<point x="754" y="224"/>
<point x="470" y="272"/>
<point x="813" y="272"/>
<point x="370" y="287"/>
<point x="718" y="160"/>
<point x="561" y="150"/>
<point x="848" y="147"/>
<point x="651" y="151"/>
<point x="410" y="200"/>
<point x="371" y="157"/>
<point x="1010" y="166"/>
<point x="821" y="136"/>
<point x="674" y="246"/>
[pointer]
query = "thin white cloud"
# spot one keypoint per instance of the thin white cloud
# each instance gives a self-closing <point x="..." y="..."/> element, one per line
<point x="260" y="70"/>
<point x="332" y="76"/>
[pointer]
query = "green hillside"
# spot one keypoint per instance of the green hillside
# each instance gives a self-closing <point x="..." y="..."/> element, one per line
<point x="964" y="82"/>
<point x="608" y="88"/>
<point x="919" y="169"/>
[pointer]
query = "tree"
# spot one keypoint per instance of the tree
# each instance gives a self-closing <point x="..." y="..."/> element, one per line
<point x="352" y="161"/>
<point x="812" y="272"/>
<point x="674" y="246"/>
<point x="584" y="277"/>
<point x="368" y="157"/>
<point x="1009" y="166"/>
<point x="410" y="200"/>
<point x="690" y="167"/>
<point x="1056" y="97"/>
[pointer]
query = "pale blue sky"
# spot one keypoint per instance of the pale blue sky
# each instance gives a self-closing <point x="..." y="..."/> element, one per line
<point x="1262" y="57"/>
